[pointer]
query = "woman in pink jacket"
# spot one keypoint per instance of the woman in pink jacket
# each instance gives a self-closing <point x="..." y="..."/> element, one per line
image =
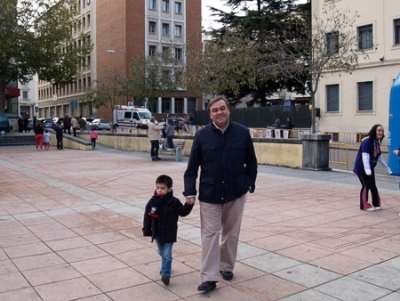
<point x="93" y="137"/>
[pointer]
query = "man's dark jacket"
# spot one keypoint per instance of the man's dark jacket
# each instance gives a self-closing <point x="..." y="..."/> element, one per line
<point x="227" y="161"/>
<point x="161" y="217"/>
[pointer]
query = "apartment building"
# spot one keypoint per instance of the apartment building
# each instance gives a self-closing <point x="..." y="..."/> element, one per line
<point x="354" y="102"/>
<point x="119" y="30"/>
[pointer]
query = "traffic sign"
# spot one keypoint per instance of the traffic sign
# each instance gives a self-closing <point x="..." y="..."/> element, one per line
<point x="73" y="104"/>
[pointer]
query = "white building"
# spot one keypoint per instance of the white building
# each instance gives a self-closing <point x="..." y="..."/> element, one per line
<point x="355" y="102"/>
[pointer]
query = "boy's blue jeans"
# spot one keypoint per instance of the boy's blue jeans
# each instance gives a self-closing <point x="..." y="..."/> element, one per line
<point x="165" y="251"/>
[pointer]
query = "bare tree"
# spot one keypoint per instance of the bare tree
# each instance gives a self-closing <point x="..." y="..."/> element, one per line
<point x="109" y="91"/>
<point x="156" y="75"/>
<point x="329" y="46"/>
<point x="225" y="64"/>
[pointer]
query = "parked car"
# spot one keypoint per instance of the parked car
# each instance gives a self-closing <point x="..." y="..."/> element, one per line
<point x="55" y="119"/>
<point x="101" y="124"/>
<point x="89" y="121"/>
<point x="4" y="124"/>
<point x="47" y="123"/>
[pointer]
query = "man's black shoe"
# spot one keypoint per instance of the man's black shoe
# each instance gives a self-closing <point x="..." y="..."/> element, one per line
<point x="226" y="275"/>
<point x="207" y="286"/>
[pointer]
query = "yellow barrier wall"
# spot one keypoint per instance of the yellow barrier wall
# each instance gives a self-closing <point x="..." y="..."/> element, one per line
<point x="70" y="143"/>
<point x="280" y="152"/>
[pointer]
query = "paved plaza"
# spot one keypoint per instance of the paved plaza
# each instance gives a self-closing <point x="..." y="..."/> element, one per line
<point x="71" y="229"/>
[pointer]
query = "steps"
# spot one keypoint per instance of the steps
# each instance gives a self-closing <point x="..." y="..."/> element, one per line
<point x="13" y="139"/>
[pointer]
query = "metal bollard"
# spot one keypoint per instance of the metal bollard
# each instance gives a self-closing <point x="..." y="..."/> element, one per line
<point x="178" y="154"/>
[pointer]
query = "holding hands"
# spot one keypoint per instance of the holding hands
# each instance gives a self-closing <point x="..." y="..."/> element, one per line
<point x="191" y="200"/>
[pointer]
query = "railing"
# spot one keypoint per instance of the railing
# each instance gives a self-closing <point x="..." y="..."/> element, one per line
<point x="339" y="154"/>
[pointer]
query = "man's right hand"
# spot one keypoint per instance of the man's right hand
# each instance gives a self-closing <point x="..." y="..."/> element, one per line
<point x="191" y="200"/>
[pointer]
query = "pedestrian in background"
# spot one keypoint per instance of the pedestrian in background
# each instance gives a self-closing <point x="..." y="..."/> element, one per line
<point x="46" y="140"/>
<point x="74" y="124"/>
<point x="82" y="124"/>
<point x="67" y="124"/>
<point x="93" y="137"/>
<point x="38" y="136"/>
<point x="154" y="135"/>
<point x="59" y="135"/>
<point x="367" y="158"/>
<point x="224" y="152"/>
<point x="26" y="122"/>
<point x="20" y="125"/>
<point x="161" y="221"/>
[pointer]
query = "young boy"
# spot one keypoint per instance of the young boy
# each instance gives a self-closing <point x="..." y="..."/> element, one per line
<point x="46" y="139"/>
<point x="161" y="222"/>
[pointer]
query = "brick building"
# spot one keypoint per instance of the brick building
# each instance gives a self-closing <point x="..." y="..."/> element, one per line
<point x="119" y="30"/>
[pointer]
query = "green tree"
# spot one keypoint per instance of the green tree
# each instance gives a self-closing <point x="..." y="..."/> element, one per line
<point x="36" y="38"/>
<point x="261" y="26"/>
<point x="157" y="75"/>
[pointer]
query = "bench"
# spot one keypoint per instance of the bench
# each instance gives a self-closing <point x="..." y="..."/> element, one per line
<point x="177" y="150"/>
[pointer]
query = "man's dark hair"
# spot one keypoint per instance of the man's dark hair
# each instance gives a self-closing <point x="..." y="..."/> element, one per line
<point x="164" y="179"/>
<point x="214" y="100"/>
<point x="372" y="132"/>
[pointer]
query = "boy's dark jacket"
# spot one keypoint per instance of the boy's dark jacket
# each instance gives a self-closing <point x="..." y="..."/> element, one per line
<point x="163" y="221"/>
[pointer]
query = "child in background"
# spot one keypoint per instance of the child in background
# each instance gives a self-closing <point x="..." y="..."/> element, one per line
<point x="161" y="222"/>
<point x="46" y="139"/>
<point x="93" y="137"/>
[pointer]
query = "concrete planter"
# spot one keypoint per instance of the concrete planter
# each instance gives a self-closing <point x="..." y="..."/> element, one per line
<point x="316" y="152"/>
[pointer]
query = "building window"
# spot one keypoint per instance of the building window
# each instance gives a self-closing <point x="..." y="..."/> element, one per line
<point x="365" y="96"/>
<point x="178" y="7"/>
<point x="152" y="4"/>
<point x="397" y="31"/>
<point x="152" y="50"/>
<point x="178" y="30"/>
<point x="25" y="94"/>
<point x="332" y="42"/>
<point x="178" y="53"/>
<point x="166" y="105"/>
<point x="152" y="27"/>
<point x="165" y="5"/>
<point x="88" y="19"/>
<point x="191" y="105"/>
<point x="332" y="98"/>
<point x="365" y="40"/>
<point x="166" y="51"/>
<point x="165" y="29"/>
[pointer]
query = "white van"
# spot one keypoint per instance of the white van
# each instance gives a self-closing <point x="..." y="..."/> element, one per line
<point x="128" y="116"/>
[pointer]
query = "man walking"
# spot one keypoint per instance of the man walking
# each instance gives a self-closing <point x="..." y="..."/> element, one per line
<point x="224" y="152"/>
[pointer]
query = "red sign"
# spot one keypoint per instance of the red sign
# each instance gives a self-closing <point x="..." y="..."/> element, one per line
<point x="12" y="92"/>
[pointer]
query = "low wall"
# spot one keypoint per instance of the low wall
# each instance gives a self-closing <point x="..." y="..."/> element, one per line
<point x="71" y="142"/>
<point x="280" y="152"/>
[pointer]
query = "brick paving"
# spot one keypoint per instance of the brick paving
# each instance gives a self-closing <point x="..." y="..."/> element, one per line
<point x="70" y="229"/>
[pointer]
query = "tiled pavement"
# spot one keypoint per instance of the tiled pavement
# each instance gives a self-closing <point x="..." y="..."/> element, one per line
<point x="70" y="229"/>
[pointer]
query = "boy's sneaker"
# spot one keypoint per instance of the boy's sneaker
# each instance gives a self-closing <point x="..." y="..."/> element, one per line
<point x="370" y="209"/>
<point x="165" y="279"/>
<point x="378" y="208"/>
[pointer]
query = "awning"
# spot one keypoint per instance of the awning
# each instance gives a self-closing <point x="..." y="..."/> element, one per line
<point x="12" y="92"/>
